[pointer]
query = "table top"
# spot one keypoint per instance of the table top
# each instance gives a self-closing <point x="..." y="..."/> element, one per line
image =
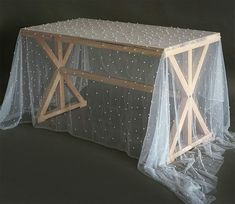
<point x="122" y="33"/>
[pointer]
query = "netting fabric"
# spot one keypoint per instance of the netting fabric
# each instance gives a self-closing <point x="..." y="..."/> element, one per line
<point x="141" y="123"/>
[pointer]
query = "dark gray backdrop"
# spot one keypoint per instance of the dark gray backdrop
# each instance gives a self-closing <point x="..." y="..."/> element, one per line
<point x="51" y="167"/>
<point x="212" y="15"/>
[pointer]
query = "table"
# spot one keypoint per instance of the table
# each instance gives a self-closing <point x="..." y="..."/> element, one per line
<point x="145" y="40"/>
<point x="158" y="93"/>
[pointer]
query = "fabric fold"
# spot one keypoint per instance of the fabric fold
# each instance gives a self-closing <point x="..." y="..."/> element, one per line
<point x="137" y="122"/>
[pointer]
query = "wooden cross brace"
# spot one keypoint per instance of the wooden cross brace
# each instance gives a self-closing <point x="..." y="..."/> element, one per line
<point x="59" y="59"/>
<point x="188" y="107"/>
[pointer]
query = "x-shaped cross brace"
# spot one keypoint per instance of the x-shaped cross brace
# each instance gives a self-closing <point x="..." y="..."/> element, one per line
<point x="59" y="59"/>
<point x="188" y="106"/>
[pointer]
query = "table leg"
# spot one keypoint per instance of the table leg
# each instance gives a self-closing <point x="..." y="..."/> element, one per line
<point x="188" y="107"/>
<point x="59" y="60"/>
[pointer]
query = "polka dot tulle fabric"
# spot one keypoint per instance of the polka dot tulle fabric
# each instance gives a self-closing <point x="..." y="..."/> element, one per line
<point x="153" y="107"/>
<point x="119" y="32"/>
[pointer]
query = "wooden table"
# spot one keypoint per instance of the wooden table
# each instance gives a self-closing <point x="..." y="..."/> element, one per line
<point x="124" y="37"/>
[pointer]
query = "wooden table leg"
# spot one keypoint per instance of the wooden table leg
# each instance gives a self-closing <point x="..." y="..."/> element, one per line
<point x="188" y="108"/>
<point x="59" y="60"/>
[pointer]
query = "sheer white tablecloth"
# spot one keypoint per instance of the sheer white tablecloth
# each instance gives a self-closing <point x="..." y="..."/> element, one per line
<point x="133" y="121"/>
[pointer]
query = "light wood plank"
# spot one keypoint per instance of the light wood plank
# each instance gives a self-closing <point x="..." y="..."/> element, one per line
<point x="199" y="67"/>
<point x="48" y="94"/>
<point x="179" y="74"/>
<point x="75" y="91"/>
<point x="67" y="54"/>
<point x="59" y="111"/>
<point x="123" y="47"/>
<point x="62" y="94"/>
<point x="48" y="51"/>
<point x="190" y="123"/>
<point x="179" y="128"/>
<point x="205" y="138"/>
<point x="190" y="116"/>
<point x="192" y="45"/>
<point x="108" y="80"/>
<point x="200" y="118"/>
<point x="59" y="51"/>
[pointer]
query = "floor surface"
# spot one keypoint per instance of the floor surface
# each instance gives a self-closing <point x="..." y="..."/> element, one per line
<point x="44" y="167"/>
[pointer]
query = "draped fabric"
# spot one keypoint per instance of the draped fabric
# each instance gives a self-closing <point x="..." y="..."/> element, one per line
<point x="192" y="176"/>
<point x="137" y="122"/>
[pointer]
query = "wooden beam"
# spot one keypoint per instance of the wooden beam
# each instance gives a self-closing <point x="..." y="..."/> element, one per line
<point x="190" y="123"/>
<point x="190" y="116"/>
<point x="205" y="138"/>
<point x="179" y="74"/>
<point x="192" y="45"/>
<point x="200" y="118"/>
<point x="59" y="50"/>
<point x="75" y="91"/>
<point x="123" y="47"/>
<point x="48" y="94"/>
<point x="67" y="54"/>
<point x="109" y="80"/>
<point x="190" y="72"/>
<point x="48" y="50"/>
<point x="61" y="91"/>
<point x="56" y="112"/>
<point x="180" y="109"/>
<point x="179" y="128"/>
<point x="199" y="67"/>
